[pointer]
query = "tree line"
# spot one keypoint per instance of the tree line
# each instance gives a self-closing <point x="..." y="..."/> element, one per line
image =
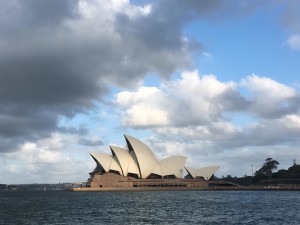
<point x="267" y="174"/>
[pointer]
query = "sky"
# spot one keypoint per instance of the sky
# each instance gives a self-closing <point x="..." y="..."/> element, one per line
<point x="216" y="81"/>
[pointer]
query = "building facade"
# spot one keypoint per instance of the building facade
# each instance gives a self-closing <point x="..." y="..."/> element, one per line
<point x="137" y="166"/>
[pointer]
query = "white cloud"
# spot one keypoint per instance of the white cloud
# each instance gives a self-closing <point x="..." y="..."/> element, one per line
<point x="128" y="99"/>
<point x="143" y="107"/>
<point x="189" y="100"/>
<point x="270" y="98"/>
<point x="141" y="115"/>
<point x="48" y="160"/>
<point x="294" y="42"/>
<point x="200" y="112"/>
<point x="292" y="121"/>
<point x="34" y="153"/>
<point x="198" y="100"/>
<point x="266" y="88"/>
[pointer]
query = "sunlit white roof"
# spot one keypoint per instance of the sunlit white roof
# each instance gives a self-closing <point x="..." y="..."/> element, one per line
<point x="161" y="170"/>
<point x="205" y="172"/>
<point x="175" y="165"/>
<point x="106" y="161"/>
<point x="125" y="161"/>
<point x="141" y="161"/>
<point x="143" y="156"/>
<point x="191" y="171"/>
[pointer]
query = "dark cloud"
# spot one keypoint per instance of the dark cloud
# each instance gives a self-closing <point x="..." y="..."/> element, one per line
<point x="38" y="82"/>
<point x="49" y="69"/>
<point x="232" y="101"/>
<point x="276" y="109"/>
<point x="37" y="89"/>
<point x="290" y="17"/>
<point x="56" y="61"/>
<point x="90" y="142"/>
<point x="18" y="17"/>
<point x="157" y="40"/>
<point x="49" y="12"/>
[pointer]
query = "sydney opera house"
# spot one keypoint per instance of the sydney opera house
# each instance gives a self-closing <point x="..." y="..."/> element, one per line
<point x="137" y="166"/>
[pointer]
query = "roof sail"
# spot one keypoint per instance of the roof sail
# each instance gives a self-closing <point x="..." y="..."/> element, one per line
<point x="106" y="161"/>
<point x="125" y="161"/>
<point x="174" y="164"/>
<point x="143" y="156"/>
<point x="207" y="172"/>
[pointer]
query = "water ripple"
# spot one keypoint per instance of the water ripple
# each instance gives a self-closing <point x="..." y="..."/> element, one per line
<point x="160" y="207"/>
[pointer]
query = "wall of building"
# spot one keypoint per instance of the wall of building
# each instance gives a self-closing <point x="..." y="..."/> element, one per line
<point x="114" y="180"/>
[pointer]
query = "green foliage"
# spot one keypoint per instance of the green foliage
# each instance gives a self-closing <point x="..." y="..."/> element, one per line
<point x="294" y="171"/>
<point x="267" y="168"/>
<point x="266" y="175"/>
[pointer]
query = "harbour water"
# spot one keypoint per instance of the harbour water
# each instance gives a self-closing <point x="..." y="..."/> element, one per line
<point x="156" y="207"/>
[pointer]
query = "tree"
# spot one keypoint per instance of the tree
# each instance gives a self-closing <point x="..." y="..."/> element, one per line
<point x="267" y="168"/>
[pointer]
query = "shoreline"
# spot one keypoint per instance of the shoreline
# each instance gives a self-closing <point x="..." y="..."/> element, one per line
<point x="120" y="189"/>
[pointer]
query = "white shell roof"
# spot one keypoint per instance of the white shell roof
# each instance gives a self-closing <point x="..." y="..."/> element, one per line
<point x="144" y="157"/>
<point x="205" y="172"/>
<point x="125" y="160"/>
<point x="141" y="160"/>
<point x="161" y="170"/>
<point x="191" y="171"/>
<point x="175" y="165"/>
<point x="107" y="162"/>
